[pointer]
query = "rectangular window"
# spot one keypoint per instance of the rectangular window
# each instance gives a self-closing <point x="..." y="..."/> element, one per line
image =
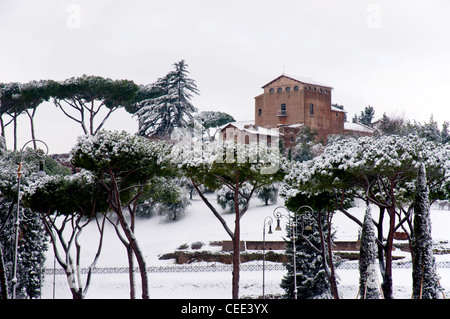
<point x="283" y="109"/>
<point x="311" y="109"/>
<point x="259" y="112"/>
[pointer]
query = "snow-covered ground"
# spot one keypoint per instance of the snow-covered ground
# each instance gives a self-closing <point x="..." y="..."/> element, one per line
<point x="158" y="236"/>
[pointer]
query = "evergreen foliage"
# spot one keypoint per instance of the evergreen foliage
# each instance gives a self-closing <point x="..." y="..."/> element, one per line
<point x="366" y="116"/>
<point x="390" y="125"/>
<point x="317" y="278"/>
<point x="124" y="165"/>
<point x="312" y="281"/>
<point x="368" y="281"/>
<point x="397" y="125"/>
<point x="32" y="239"/>
<point x="381" y="170"/>
<point x="226" y="197"/>
<point x="78" y="199"/>
<point x="91" y="94"/>
<point x="164" y="196"/>
<point x="425" y="280"/>
<point x="303" y="144"/>
<point x="268" y="193"/>
<point x="211" y="119"/>
<point x="160" y="116"/>
<point x="230" y="164"/>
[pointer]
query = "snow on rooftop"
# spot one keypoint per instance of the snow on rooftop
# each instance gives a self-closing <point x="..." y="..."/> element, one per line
<point x="337" y="109"/>
<point x="306" y="80"/>
<point x="302" y="80"/>
<point x="358" y="127"/>
<point x="296" y="125"/>
<point x="250" y="127"/>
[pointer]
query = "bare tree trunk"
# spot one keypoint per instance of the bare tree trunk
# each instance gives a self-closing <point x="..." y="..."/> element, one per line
<point x="116" y="206"/>
<point x="31" y="117"/>
<point x="139" y="256"/>
<point x="333" y="281"/>
<point x="2" y="125"/>
<point x="387" y="276"/>
<point x="131" y="262"/>
<point x="236" y="244"/>
<point x="327" y="253"/>
<point x="3" y="279"/>
<point x="15" y="133"/>
<point x="131" y="272"/>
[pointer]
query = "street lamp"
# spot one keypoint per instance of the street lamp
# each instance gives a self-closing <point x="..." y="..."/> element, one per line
<point x="278" y="215"/>
<point x="40" y="173"/>
<point x="267" y="221"/>
<point x="293" y="223"/>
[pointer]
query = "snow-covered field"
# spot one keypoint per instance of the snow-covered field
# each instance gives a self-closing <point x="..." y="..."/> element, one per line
<point x="158" y="236"/>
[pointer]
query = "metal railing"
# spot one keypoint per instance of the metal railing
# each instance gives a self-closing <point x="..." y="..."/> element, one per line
<point x="221" y="267"/>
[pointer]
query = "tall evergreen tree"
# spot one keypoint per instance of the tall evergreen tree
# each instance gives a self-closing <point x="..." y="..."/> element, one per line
<point x="312" y="279"/>
<point x="425" y="282"/>
<point x="160" y="116"/>
<point x="303" y="144"/>
<point x="430" y="131"/>
<point x="315" y="261"/>
<point x="366" y="116"/>
<point x="31" y="251"/>
<point x="368" y="285"/>
<point x="32" y="242"/>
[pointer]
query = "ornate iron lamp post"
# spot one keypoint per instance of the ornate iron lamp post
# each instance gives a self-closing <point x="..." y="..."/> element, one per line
<point x="267" y="221"/>
<point x="293" y="223"/>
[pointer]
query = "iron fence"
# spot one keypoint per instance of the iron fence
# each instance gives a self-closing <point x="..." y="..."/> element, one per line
<point x="220" y="268"/>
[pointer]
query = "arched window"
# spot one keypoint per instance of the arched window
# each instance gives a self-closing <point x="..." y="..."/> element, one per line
<point x="288" y="89"/>
<point x="272" y="90"/>
<point x="295" y="88"/>
<point x="280" y="90"/>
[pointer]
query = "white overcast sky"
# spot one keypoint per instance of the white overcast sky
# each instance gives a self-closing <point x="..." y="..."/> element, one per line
<point x="391" y="54"/>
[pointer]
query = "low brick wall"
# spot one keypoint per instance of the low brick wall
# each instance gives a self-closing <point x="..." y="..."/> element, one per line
<point x="347" y="245"/>
<point x="187" y="257"/>
<point x="227" y="245"/>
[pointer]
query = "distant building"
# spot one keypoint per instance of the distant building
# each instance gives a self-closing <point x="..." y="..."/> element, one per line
<point x="290" y="102"/>
<point x="247" y="132"/>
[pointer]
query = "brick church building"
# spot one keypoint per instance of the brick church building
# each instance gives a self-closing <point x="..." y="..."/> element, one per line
<point x="290" y="102"/>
